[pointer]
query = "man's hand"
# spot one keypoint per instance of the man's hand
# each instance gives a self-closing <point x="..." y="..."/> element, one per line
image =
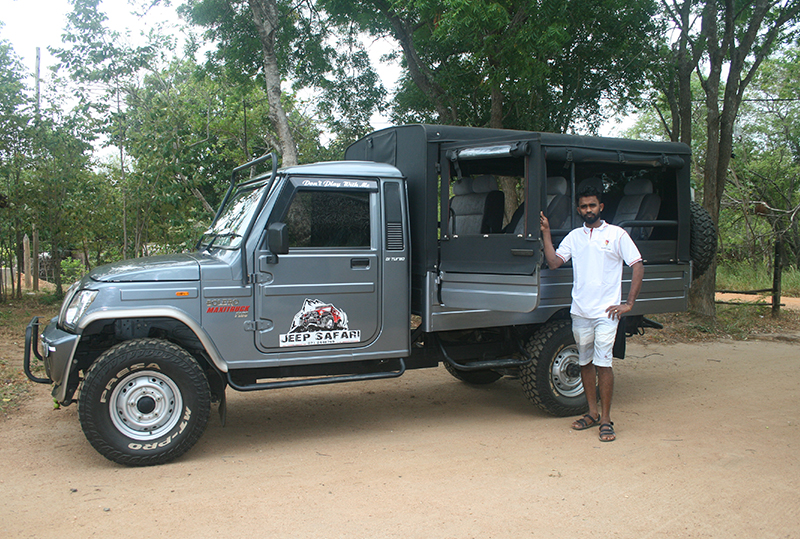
<point x="616" y="311"/>
<point x="544" y="224"/>
<point x="553" y="261"/>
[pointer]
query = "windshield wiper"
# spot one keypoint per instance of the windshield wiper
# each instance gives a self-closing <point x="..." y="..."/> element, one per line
<point x="218" y="235"/>
<point x="211" y="243"/>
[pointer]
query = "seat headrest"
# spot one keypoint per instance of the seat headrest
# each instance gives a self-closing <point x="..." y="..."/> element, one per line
<point x="463" y="186"/>
<point x="484" y="184"/>
<point x="557" y="185"/>
<point x="642" y="186"/>
<point x="594" y="181"/>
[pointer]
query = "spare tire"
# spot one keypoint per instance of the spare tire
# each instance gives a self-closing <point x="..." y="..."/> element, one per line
<point x="703" y="239"/>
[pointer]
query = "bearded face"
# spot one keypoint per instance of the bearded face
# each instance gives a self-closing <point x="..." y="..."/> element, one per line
<point x="589" y="209"/>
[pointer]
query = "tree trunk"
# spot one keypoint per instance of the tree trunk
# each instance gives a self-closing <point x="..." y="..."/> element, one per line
<point x="702" y="293"/>
<point x="265" y="16"/>
<point x="56" y="258"/>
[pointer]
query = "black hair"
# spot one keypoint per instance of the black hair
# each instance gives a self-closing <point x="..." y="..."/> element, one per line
<point x="589" y="190"/>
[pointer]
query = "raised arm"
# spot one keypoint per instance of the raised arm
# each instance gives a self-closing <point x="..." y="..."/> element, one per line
<point x="553" y="261"/>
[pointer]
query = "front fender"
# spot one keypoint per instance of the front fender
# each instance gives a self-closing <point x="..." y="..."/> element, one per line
<point x="160" y="312"/>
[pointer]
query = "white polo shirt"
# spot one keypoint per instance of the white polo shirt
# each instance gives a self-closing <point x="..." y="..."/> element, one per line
<point x="597" y="255"/>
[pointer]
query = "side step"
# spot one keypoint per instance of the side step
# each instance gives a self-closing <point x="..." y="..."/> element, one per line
<point x="507" y="363"/>
<point x="317" y="381"/>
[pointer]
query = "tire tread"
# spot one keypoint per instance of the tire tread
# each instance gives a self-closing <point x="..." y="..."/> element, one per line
<point x="132" y="350"/>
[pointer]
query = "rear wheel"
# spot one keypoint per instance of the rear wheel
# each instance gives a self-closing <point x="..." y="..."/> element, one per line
<point x="144" y="402"/>
<point x="552" y="380"/>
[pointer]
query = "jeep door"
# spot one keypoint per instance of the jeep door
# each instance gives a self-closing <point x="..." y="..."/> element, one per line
<point x="325" y="292"/>
<point x="490" y="250"/>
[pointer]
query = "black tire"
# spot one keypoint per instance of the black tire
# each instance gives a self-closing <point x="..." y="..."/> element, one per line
<point x="144" y="402"/>
<point x="552" y="381"/>
<point x="703" y="240"/>
<point x="327" y="322"/>
<point x="478" y="378"/>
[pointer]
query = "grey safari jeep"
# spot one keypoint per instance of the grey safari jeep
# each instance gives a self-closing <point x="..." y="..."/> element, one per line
<point x="422" y="247"/>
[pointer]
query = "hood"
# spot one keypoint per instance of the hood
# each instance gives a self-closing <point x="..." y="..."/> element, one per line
<point x="178" y="267"/>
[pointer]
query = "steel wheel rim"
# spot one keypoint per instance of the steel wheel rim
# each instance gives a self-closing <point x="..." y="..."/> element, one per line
<point x="145" y="405"/>
<point x="565" y="374"/>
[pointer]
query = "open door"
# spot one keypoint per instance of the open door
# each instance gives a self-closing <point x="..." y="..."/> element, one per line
<point x="491" y="249"/>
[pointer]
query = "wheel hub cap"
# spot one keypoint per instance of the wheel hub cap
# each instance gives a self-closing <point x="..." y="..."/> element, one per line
<point x="566" y="373"/>
<point x="145" y="405"/>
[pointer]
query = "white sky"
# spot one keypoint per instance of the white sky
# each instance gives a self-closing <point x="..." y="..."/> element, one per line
<point x="40" y="23"/>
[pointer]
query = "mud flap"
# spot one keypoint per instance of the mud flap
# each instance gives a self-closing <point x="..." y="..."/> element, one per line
<point x="619" y="341"/>
<point x="223" y="408"/>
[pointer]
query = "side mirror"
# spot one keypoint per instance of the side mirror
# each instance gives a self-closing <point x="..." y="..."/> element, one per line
<point x="278" y="238"/>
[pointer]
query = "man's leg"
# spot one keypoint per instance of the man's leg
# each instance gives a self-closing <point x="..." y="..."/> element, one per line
<point x="605" y="379"/>
<point x="583" y="331"/>
<point x="605" y="334"/>
<point x="589" y="379"/>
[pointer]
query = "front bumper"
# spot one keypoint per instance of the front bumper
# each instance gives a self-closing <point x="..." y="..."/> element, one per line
<point x="57" y="350"/>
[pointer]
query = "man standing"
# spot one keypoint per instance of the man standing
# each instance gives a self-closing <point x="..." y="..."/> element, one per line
<point x="597" y="251"/>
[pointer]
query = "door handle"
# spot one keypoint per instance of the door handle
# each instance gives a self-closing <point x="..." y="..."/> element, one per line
<point x="522" y="252"/>
<point x="359" y="263"/>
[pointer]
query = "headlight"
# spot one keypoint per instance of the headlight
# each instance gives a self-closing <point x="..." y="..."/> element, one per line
<point x="67" y="300"/>
<point x="77" y="307"/>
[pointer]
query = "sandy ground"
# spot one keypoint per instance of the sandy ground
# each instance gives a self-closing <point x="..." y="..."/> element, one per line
<point x="708" y="446"/>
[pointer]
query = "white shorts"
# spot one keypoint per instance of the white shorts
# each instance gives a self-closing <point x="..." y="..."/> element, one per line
<point x="595" y="339"/>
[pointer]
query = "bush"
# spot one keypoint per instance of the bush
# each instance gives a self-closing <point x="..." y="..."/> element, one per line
<point x="71" y="270"/>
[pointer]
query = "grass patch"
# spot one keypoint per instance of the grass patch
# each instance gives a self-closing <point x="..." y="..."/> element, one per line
<point x="14" y="317"/>
<point x="738" y="322"/>
<point x="13" y="387"/>
<point x="744" y="276"/>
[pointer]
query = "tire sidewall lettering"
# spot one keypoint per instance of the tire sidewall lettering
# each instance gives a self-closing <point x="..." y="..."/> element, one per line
<point x="122" y="373"/>
<point x="171" y="437"/>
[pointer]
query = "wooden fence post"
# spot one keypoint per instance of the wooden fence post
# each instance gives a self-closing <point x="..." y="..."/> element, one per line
<point x="26" y="258"/>
<point x="777" y="271"/>
<point x="35" y="264"/>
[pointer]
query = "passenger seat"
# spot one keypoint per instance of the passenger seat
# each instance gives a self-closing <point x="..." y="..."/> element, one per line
<point x="640" y="203"/>
<point x="476" y="206"/>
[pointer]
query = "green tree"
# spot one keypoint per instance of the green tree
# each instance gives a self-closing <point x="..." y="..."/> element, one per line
<point x="59" y="168"/>
<point x="14" y="150"/>
<point x="515" y="64"/>
<point x="277" y="40"/>
<point x="764" y="183"/>
<point x="100" y="61"/>
<point x="725" y="44"/>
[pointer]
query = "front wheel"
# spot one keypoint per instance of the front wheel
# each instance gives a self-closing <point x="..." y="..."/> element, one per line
<point x="552" y="380"/>
<point x="144" y="402"/>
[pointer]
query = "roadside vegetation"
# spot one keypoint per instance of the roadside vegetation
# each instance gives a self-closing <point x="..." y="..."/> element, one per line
<point x="743" y="276"/>
<point x="14" y="317"/>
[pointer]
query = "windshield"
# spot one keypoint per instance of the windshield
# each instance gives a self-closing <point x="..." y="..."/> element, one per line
<point x="228" y="230"/>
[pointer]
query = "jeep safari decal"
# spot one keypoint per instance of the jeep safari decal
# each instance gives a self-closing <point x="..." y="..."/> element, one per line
<point x="319" y="323"/>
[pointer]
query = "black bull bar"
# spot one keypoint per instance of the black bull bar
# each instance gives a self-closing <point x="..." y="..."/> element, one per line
<point x="32" y="344"/>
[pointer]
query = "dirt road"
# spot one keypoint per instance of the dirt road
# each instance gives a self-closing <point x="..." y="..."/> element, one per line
<point x="708" y="446"/>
